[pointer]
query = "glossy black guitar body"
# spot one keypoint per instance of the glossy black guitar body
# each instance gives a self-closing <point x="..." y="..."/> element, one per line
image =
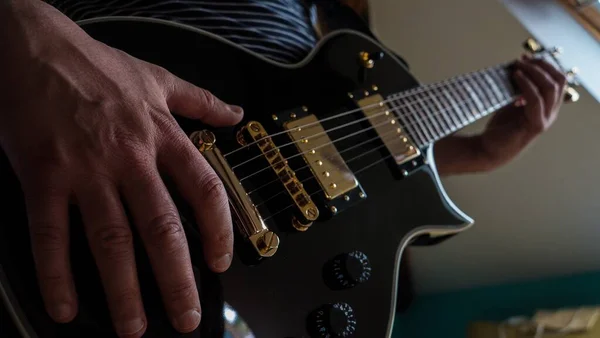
<point x="276" y="296"/>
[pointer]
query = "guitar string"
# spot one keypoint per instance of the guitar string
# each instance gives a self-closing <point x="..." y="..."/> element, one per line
<point x="356" y="173"/>
<point x="396" y="119"/>
<point x="416" y="112"/>
<point x="418" y="90"/>
<point x="327" y="157"/>
<point x="312" y="176"/>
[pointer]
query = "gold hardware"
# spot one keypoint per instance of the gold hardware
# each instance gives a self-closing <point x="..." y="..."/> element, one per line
<point x="304" y="108"/>
<point x="333" y="210"/>
<point x="399" y="130"/>
<point x="350" y="95"/>
<point x="293" y="115"/>
<point x="312" y="151"/>
<point x="366" y="60"/>
<point x="287" y="176"/>
<point x="327" y="166"/>
<point x="333" y="185"/>
<point x="366" y="93"/>
<point x="387" y="113"/>
<point x="571" y="95"/>
<point x="239" y="136"/>
<point x="378" y="116"/>
<point x="274" y="117"/>
<point x="268" y="242"/>
<point x="346" y="198"/>
<point x="375" y="88"/>
<point x="362" y="195"/>
<point x="248" y="219"/>
<point x="304" y="140"/>
<point x="298" y="225"/>
<point x="531" y="45"/>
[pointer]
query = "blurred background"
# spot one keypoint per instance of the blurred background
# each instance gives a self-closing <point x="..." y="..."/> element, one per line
<point x="535" y="242"/>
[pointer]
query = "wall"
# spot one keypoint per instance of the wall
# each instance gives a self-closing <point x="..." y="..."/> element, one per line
<point x="537" y="216"/>
<point x="449" y="314"/>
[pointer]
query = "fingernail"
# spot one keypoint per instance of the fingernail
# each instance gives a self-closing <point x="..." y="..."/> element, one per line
<point x="222" y="263"/>
<point x="235" y="109"/>
<point x="188" y="321"/>
<point x="61" y="312"/>
<point x="130" y="327"/>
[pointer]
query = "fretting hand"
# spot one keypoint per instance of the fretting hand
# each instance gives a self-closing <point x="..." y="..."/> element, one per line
<point x="87" y="123"/>
<point x="510" y="130"/>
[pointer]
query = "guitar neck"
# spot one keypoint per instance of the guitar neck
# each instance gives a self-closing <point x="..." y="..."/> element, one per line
<point x="434" y="111"/>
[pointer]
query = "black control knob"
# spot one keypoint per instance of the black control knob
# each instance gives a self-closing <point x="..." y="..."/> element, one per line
<point x="332" y="320"/>
<point x="347" y="270"/>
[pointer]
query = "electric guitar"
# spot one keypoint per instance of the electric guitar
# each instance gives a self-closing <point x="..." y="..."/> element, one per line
<point x="330" y="176"/>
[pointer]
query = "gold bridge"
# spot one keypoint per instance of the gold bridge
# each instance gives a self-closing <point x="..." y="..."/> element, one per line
<point x="251" y="224"/>
<point x="307" y="210"/>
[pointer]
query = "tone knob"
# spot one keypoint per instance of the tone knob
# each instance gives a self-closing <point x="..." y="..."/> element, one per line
<point x="347" y="270"/>
<point x="332" y="321"/>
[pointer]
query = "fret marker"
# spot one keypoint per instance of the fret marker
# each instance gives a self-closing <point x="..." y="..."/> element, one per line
<point x="366" y="93"/>
<point x="375" y="88"/>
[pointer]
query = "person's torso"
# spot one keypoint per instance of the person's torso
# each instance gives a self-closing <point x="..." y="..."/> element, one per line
<point x="280" y="30"/>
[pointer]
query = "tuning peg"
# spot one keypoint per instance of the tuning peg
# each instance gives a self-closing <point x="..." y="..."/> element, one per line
<point x="573" y="72"/>
<point x="532" y="46"/>
<point x="557" y="51"/>
<point x="571" y="95"/>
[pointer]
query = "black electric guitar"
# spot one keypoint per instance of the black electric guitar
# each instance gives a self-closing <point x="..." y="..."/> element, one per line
<point x="330" y="176"/>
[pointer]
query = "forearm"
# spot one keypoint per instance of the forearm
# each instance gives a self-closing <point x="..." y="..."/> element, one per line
<point x="462" y="154"/>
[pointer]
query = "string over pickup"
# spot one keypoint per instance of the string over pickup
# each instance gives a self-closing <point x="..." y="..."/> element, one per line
<point x="307" y="211"/>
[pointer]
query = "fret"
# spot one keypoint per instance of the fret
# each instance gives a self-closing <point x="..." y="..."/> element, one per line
<point x="456" y="114"/>
<point x="443" y="111"/>
<point x="505" y="84"/>
<point x="494" y="86"/>
<point x="433" y="113"/>
<point x="487" y="90"/>
<point x="482" y="98"/>
<point x="416" y="117"/>
<point x="463" y="107"/>
<point x="407" y="123"/>
<point x="429" y="115"/>
<point x="473" y="111"/>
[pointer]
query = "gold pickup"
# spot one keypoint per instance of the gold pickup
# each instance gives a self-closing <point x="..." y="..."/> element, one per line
<point x="322" y="157"/>
<point x="396" y="140"/>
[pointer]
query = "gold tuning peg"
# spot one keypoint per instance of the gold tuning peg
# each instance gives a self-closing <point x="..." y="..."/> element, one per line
<point x="571" y="95"/>
<point x="532" y="46"/>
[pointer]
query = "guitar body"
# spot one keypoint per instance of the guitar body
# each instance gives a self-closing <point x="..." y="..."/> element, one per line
<point x="277" y="295"/>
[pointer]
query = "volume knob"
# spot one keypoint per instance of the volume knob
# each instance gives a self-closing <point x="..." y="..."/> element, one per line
<point x="333" y="321"/>
<point x="348" y="270"/>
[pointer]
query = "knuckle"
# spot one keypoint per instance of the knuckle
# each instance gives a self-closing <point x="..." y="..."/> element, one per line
<point x="213" y="189"/>
<point x="47" y="237"/>
<point x="166" y="233"/>
<point x="115" y="242"/>
<point x="184" y="291"/>
<point x="209" y="99"/>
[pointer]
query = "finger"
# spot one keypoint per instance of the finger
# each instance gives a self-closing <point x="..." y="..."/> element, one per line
<point x="160" y="228"/>
<point x="111" y="242"/>
<point x="47" y="210"/>
<point x="193" y="102"/>
<point x="557" y="75"/>
<point x="535" y="103"/>
<point x="203" y="190"/>
<point x="549" y="89"/>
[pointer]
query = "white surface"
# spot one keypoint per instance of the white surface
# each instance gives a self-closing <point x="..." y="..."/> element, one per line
<point x="540" y="215"/>
<point x="553" y="26"/>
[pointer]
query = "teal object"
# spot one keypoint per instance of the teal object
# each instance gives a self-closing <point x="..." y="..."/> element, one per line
<point x="448" y="314"/>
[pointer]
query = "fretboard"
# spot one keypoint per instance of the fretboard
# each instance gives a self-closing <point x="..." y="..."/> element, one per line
<point x="434" y="111"/>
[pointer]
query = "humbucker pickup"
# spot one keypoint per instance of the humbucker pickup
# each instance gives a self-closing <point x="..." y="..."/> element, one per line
<point x="338" y="183"/>
<point x="391" y="133"/>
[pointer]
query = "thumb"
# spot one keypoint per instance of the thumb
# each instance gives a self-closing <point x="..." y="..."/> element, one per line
<point x="187" y="100"/>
